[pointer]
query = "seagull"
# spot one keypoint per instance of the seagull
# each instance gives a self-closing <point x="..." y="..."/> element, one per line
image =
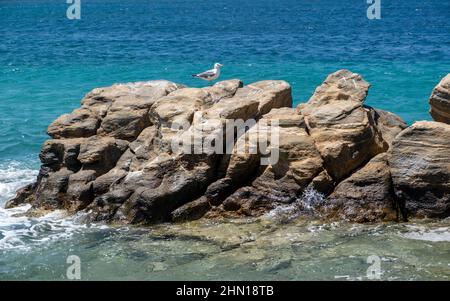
<point x="210" y="75"/>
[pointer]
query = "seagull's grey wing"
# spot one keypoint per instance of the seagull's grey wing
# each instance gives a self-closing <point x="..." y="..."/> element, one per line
<point x="207" y="74"/>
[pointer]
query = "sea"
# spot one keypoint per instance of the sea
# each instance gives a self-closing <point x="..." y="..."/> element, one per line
<point x="49" y="61"/>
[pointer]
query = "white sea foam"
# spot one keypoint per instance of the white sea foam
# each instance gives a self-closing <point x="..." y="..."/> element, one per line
<point x="20" y="232"/>
<point x="306" y="203"/>
<point x="421" y="233"/>
<point x="14" y="175"/>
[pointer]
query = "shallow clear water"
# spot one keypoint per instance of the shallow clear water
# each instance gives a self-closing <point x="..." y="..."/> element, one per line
<point x="278" y="246"/>
<point x="47" y="63"/>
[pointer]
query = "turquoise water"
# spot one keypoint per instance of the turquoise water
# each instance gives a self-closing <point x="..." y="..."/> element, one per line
<point x="47" y="64"/>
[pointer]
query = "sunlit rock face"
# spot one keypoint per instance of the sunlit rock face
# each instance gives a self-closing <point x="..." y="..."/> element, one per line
<point x="440" y="101"/>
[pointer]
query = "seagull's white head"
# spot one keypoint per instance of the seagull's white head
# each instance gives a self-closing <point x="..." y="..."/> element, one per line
<point x="217" y="66"/>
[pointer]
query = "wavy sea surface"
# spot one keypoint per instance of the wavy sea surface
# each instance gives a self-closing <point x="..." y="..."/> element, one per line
<point x="47" y="64"/>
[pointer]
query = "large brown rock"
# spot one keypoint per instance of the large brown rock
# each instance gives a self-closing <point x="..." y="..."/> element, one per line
<point x="282" y="181"/>
<point x="79" y="190"/>
<point x="343" y="130"/>
<point x="127" y="170"/>
<point x="80" y="123"/>
<point x="440" y="101"/>
<point x="127" y="115"/>
<point x="51" y="188"/>
<point x="153" y="152"/>
<point x="420" y="167"/>
<point x="342" y="85"/>
<point x="365" y="196"/>
<point x="119" y="111"/>
<point x="243" y="164"/>
<point x="86" y="144"/>
<point x="269" y="94"/>
<point x="57" y="153"/>
<point x="101" y="153"/>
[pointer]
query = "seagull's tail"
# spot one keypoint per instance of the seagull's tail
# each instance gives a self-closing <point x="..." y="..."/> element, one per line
<point x="194" y="75"/>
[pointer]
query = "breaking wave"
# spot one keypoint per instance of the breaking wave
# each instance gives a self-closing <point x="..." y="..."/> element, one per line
<point x="18" y="231"/>
<point x="305" y="204"/>
<point x="14" y="175"/>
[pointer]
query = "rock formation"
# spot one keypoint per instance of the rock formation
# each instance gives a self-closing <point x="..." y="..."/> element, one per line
<point x="440" y="101"/>
<point x="366" y="195"/>
<point x="420" y="167"/>
<point x="116" y="157"/>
